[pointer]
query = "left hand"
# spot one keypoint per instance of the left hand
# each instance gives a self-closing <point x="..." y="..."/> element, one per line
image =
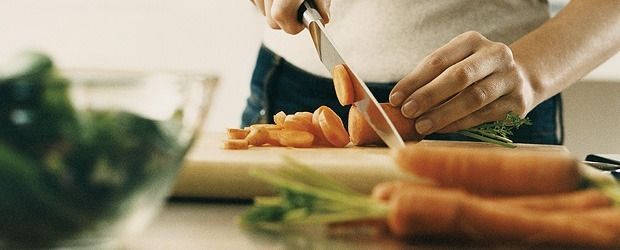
<point x="468" y="81"/>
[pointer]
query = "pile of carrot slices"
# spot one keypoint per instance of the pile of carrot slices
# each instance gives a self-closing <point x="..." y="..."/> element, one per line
<point x="323" y="128"/>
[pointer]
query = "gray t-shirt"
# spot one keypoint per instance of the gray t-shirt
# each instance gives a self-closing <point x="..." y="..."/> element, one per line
<point x="384" y="40"/>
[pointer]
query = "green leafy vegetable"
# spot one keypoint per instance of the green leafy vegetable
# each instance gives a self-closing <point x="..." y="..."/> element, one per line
<point x="497" y="132"/>
<point x="308" y="197"/>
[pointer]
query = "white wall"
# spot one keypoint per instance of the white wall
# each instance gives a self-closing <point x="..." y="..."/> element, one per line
<point x="222" y="37"/>
<point x="213" y="36"/>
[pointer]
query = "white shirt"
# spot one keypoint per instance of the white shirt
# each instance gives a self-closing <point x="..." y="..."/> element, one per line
<point x="383" y="40"/>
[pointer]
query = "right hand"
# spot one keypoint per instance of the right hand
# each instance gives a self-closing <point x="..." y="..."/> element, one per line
<point x="282" y="14"/>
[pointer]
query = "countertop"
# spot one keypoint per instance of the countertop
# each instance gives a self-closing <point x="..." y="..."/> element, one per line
<point x="209" y="224"/>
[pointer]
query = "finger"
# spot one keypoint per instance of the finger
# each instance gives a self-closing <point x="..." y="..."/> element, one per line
<point x="471" y="99"/>
<point x="453" y="80"/>
<point x="260" y="5"/>
<point x="267" y="7"/>
<point x="284" y="13"/>
<point x="435" y="63"/>
<point x="323" y="8"/>
<point x="495" y="111"/>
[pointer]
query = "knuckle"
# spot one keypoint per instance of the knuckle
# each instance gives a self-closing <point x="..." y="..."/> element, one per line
<point x="502" y="50"/>
<point x="479" y="95"/>
<point x="436" y="61"/>
<point x="425" y="99"/>
<point x="272" y="24"/>
<point x="464" y="74"/>
<point x="518" y="105"/>
<point x="278" y="15"/>
<point x="473" y="35"/>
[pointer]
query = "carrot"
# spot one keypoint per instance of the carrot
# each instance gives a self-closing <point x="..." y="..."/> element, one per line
<point x="236" y="133"/>
<point x="292" y="122"/>
<point x="278" y="118"/>
<point x="258" y="135"/>
<point x="296" y="139"/>
<point x="304" y="116"/>
<point x="235" y="144"/>
<point x="424" y="211"/>
<point x="496" y="171"/>
<point x="577" y="200"/>
<point x="343" y="85"/>
<point x="363" y="134"/>
<point x="265" y="126"/>
<point x="319" y="138"/>
<point x="332" y="128"/>
<point x="273" y="137"/>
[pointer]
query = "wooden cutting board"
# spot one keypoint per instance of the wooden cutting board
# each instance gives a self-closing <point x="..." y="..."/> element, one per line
<point x="212" y="172"/>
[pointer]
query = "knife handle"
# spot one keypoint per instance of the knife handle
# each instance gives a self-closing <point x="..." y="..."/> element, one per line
<point x="307" y="13"/>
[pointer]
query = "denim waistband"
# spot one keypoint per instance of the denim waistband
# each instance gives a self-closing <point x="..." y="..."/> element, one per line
<point x="277" y="85"/>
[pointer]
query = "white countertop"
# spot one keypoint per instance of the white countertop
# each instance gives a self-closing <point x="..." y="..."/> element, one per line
<point x="205" y="224"/>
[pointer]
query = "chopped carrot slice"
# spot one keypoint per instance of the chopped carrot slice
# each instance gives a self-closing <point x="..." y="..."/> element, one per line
<point x="235" y="144"/>
<point x="295" y="138"/>
<point x="279" y="118"/>
<point x="257" y="136"/>
<point x="293" y="122"/>
<point x="343" y="85"/>
<point x="332" y="128"/>
<point x="273" y="137"/>
<point x="236" y="133"/>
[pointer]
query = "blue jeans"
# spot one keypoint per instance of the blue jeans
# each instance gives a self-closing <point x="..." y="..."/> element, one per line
<point x="279" y="86"/>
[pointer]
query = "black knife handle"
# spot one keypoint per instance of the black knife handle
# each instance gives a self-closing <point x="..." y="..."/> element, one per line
<point x="307" y="5"/>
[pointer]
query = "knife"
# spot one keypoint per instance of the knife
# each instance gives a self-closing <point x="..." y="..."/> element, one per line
<point x="365" y="100"/>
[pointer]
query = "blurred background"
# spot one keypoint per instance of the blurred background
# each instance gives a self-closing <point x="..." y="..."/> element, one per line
<point x="222" y="38"/>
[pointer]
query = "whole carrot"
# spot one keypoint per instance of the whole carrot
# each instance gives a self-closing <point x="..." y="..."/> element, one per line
<point x="419" y="212"/>
<point x="362" y="134"/>
<point x="495" y="171"/>
<point x="575" y="201"/>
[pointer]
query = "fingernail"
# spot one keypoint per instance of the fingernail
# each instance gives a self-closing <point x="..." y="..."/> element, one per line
<point x="396" y="98"/>
<point x="423" y="126"/>
<point x="410" y="109"/>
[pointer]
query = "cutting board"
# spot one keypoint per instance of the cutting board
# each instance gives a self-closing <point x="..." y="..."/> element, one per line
<point x="212" y="172"/>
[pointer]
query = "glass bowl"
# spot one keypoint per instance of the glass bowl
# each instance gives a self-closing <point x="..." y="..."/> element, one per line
<point x="87" y="157"/>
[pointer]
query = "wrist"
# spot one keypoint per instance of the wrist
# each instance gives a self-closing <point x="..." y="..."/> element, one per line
<point x="533" y="79"/>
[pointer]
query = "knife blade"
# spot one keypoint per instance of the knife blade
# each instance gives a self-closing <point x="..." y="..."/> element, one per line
<point x="330" y="57"/>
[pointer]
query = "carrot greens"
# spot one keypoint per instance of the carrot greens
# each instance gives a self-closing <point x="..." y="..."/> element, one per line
<point x="308" y="197"/>
<point x="497" y="132"/>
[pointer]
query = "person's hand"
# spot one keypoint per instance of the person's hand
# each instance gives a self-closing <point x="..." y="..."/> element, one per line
<point x="282" y="14"/>
<point x="469" y="81"/>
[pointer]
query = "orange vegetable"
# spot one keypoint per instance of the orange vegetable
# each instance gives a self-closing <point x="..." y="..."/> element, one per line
<point x="282" y="133"/>
<point x="319" y="138"/>
<point x="258" y="135"/>
<point x="362" y="134"/>
<point x="296" y="139"/>
<point x="304" y="116"/>
<point x="236" y="133"/>
<point x="332" y="128"/>
<point x="278" y="118"/>
<point x="577" y="200"/>
<point x="265" y="126"/>
<point x="423" y="211"/>
<point x="235" y="144"/>
<point x="343" y="85"/>
<point x="273" y="137"/>
<point x="496" y="171"/>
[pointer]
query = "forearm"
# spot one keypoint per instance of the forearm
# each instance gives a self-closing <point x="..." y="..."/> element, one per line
<point x="565" y="48"/>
